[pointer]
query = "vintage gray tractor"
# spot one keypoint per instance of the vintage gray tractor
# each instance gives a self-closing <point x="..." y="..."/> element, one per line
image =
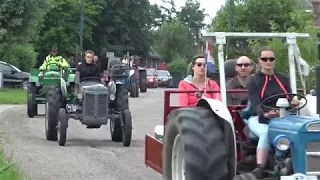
<point x="95" y="104"/>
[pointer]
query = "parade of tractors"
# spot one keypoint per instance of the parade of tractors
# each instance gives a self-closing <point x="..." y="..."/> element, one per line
<point x="205" y="142"/>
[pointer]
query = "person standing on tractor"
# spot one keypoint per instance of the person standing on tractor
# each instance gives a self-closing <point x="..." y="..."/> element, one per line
<point x="89" y="68"/>
<point x="54" y="58"/>
<point x="196" y="81"/>
<point x="262" y="85"/>
<point x="243" y="67"/>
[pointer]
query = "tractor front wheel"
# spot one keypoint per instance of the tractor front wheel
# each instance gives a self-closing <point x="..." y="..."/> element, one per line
<point x="62" y="127"/>
<point x="54" y="103"/>
<point x="194" y="146"/>
<point x="127" y="127"/>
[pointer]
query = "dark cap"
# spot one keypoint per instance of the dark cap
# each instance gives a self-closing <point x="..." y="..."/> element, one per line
<point x="54" y="48"/>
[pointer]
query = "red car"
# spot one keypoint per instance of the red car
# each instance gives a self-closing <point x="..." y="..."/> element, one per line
<point x="152" y="80"/>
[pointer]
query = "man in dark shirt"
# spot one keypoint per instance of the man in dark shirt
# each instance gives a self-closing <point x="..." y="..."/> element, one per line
<point x="89" y="68"/>
<point x="243" y="67"/>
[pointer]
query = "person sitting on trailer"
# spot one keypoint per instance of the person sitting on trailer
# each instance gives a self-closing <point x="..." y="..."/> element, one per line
<point x="262" y="85"/>
<point x="88" y="68"/>
<point x="196" y="81"/>
<point x="243" y="68"/>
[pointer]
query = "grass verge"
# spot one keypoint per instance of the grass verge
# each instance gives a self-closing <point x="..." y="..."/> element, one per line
<point x="13" y="96"/>
<point x="7" y="170"/>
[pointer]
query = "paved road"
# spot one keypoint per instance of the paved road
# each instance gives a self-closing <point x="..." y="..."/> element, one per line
<point x="89" y="153"/>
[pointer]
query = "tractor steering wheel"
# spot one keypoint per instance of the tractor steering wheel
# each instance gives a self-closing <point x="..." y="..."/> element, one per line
<point x="92" y="78"/>
<point x="56" y="64"/>
<point x="291" y="108"/>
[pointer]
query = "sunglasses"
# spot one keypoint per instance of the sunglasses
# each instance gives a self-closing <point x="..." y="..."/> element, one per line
<point x="243" y="64"/>
<point x="265" y="59"/>
<point x="200" y="64"/>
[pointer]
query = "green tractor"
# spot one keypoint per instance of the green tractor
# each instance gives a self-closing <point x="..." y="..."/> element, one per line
<point x="50" y="86"/>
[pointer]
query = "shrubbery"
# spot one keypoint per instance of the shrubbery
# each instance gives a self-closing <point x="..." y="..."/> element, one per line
<point x="20" y="55"/>
<point x="178" y="69"/>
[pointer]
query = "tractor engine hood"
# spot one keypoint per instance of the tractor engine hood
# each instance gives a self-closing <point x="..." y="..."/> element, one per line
<point x="293" y="125"/>
<point x="52" y="74"/>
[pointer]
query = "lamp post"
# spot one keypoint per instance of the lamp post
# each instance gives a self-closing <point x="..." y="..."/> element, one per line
<point x="81" y="28"/>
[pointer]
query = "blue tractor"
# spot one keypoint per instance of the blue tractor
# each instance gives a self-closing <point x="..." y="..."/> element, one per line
<point x="202" y="142"/>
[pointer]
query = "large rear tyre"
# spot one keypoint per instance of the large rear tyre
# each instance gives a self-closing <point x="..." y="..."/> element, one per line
<point x="122" y="104"/>
<point x="143" y="85"/>
<point x="245" y="176"/>
<point x="32" y="107"/>
<point x="134" y="91"/>
<point x="62" y="127"/>
<point x="127" y="128"/>
<point x="54" y="103"/>
<point x="194" y="146"/>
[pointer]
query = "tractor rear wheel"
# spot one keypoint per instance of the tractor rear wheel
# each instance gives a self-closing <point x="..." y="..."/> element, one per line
<point x="122" y="104"/>
<point x="54" y="103"/>
<point x="127" y="127"/>
<point x="194" y="146"/>
<point x="32" y="106"/>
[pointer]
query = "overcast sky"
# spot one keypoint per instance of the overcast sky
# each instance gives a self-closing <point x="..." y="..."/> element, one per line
<point x="211" y="6"/>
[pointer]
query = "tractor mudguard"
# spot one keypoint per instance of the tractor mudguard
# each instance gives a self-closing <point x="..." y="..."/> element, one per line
<point x="63" y="86"/>
<point x="223" y="112"/>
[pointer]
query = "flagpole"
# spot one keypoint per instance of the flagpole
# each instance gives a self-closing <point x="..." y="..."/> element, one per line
<point x="206" y="67"/>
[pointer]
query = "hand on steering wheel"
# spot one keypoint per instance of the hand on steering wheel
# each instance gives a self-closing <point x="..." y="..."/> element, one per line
<point x="293" y="106"/>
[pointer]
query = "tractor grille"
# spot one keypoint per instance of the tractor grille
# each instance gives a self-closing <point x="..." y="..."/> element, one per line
<point x="89" y="105"/>
<point x="95" y="105"/>
<point x="313" y="158"/>
<point x="102" y="105"/>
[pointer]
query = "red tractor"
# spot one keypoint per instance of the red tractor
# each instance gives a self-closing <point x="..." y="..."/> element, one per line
<point x="208" y="141"/>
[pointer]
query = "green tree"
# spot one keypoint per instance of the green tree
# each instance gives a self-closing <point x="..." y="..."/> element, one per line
<point x="193" y="17"/>
<point x="19" y="25"/>
<point x="174" y="39"/>
<point x="123" y="26"/>
<point x="61" y="27"/>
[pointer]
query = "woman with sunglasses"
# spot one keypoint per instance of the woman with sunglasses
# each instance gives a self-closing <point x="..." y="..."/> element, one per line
<point x="262" y="85"/>
<point x="196" y="81"/>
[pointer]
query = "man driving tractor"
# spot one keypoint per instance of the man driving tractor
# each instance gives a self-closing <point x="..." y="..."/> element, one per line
<point x="54" y="58"/>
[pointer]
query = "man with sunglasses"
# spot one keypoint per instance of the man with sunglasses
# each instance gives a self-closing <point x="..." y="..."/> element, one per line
<point x="244" y="69"/>
<point x="54" y="58"/>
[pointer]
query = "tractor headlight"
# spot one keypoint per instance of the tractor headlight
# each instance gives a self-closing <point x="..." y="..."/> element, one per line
<point x="112" y="97"/>
<point x="281" y="142"/>
<point x="37" y="84"/>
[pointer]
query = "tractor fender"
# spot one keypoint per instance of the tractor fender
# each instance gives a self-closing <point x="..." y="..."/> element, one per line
<point x="63" y="87"/>
<point x="221" y="110"/>
<point x="131" y="72"/>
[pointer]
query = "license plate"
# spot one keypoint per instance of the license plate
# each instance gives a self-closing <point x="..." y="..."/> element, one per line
<point x="298" y="177"/>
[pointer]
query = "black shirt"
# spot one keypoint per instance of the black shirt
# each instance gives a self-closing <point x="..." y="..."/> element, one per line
<point x="261" y="86"/>
<point x="88" y="70"/>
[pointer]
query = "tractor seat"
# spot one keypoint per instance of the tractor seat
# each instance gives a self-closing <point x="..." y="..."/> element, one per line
<point x="245" y="115"/>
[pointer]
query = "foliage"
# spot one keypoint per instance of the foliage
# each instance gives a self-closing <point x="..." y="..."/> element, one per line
<point x="21" y="55"/>
<point x="61" y="26"/>
<point x="174" y="39"/>
<point x="123" y="26"/>
<point x="178" y="66"/>
<point x="192" y="16"/>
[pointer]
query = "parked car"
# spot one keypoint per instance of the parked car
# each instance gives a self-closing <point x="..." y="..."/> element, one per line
<point x="164" y="78"/>
<point x="152" y="80"/>
<point x="13" y="76"/>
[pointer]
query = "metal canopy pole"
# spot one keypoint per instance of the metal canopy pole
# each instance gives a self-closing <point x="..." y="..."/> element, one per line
<point x="291" y="42"/>
<point x="221" y="41"/>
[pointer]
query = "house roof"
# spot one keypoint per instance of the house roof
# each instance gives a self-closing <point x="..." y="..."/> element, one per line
<point x="154" y="54"/>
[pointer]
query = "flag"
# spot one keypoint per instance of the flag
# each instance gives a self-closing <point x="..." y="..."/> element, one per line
<point x="209" y="59"/>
